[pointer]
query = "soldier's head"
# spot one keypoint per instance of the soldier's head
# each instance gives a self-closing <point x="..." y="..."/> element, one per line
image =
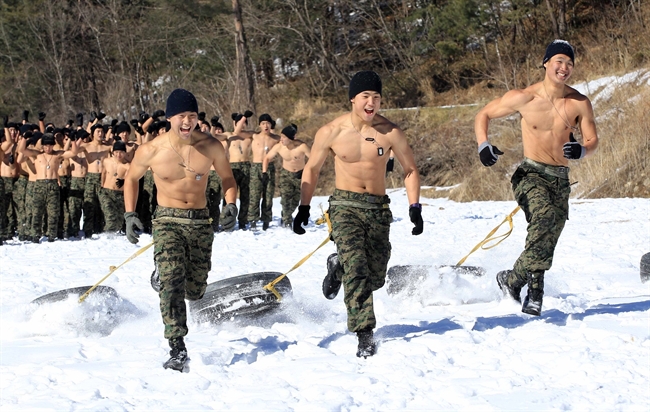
<point x="182" y="112"/>
<point x="365" y="94"/>
<point x="47" y="142"/>
<point x="288" y="134"/>
<point x="119" y="150"/>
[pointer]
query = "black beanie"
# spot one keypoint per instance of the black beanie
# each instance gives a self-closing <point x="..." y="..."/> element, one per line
<point x="219" y="126"/>
<point x="119" y="145"/>
<point x="24" y="128"/>
<point x="290" y="131"/>
<point x="364" y="81"/>
<point x="48" y="139"/>
<point x="179" y="101"/>
<point x="95" y="127"/>
<point x="123" y="127"/>
<point x="559" y="47"/>
<point x="266" y="118"/>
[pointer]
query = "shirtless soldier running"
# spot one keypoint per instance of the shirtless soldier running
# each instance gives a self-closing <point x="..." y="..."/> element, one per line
<point x="293" y="153"/>
<point x="180" y="160"/>
<point x="550" y="113"/>
<point x="359" y="211"/>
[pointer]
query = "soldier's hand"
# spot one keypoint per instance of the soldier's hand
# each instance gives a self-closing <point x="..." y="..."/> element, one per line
<point x="390" y="165"/>
<point x="214" y="121"/>
<point x="41" y="115"/>
<point x="119" y="183"/>
<point x="415" y="213"/>
<point x="26" y="115"/>
<point x="574" y="150"/>
<point x="489" y="154"/>
<point x="302" y="219"/>
<point x="132" y="222"/>
<point x="158" y="113"/>
<point x="229" y="217"/>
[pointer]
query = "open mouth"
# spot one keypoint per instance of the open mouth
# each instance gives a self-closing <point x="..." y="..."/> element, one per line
<point x="185" y="129"/>
<point x="369" y="111"/>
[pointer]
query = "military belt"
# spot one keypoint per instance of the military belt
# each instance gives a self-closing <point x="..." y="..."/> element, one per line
<point x="557" y="171"/>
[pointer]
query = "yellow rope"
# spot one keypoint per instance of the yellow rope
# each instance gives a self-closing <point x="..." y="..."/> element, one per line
<point x="271" y="286"/>
<point x="489" y="239"/>
<point x="113" y="269"/>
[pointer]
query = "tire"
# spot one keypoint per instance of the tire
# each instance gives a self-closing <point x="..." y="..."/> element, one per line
<point x="239" y="297"/>
<point x="645" y="267"/>
<point x="78" y="291"/>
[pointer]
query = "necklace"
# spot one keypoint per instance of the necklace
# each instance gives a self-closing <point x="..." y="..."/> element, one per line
<point x="186" y="166"/>
<point x="48" y="161"/>
<point x="380" y="150"/>
<point x="564" y="118"/>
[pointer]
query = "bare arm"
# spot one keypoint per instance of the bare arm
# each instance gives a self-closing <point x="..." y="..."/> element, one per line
<point x="404" y="154"/>
<point x="74" y="150"/>
<point x="319" y="152"/>
<point x="22" y="148"/>
<point x="269" y="157"/>
<point x="506" y="105"/>
<point x="222" y="167"/>
<point x="139" y="165"/>
<point x="588" y="128"/>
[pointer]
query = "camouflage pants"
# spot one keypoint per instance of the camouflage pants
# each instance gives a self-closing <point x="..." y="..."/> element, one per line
<point x="20" y="187"/>
<point x="46" y="198"/>
<point x="183" y="256"/>
<point x="112" y="202"/>
<point x="261" y="192"/>
<point x="93" y="218"/>
<point x="147" y="201"/>
<point x="10" y="216"/>
<point x="29" y="209"/>
<point x="75" y="204"/>
<point x="213" y="194"/>
<point x="64" y="217"/>
<point x="290" y="194"/>
<point x="241" y="171"/>
<point x="545" y="201"/>
<point x="360" y="228"/>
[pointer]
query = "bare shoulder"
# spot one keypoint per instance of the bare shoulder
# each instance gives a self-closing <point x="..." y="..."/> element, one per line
<point x="575" y="95"/>
<point x="519" y="97"/>
<point x="332" y="129"/>
<point x="386" y="127"/>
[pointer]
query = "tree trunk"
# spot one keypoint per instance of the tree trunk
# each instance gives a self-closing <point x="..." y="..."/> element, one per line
<point x="245" y="86"/>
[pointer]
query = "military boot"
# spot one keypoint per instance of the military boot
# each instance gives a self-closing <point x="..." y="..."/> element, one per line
<point x="510" y="284"/>
<point x="177" y="355"/>
<point x="533" y="301"/>
<point x="367" y="346"/>
<point x="332" y="285"/>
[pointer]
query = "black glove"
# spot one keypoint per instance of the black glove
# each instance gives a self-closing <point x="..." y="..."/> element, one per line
<point x="101" y="115"/>
<point x="301" y="219"/>
<point x="82" y="134"/>
<point x="489" y="154"/>
<point x="214" y="122"/>
<point x="229" y="217"/>
<point x="5" y="121"/>
<point x="265" y="178"/>
<point x="574" y="150"/>
<point x="26" y="115"/>
<point x="248" y="114"/>
<point x="41" y="115"/>
<point x="93" y="116"/>
<point x="236" y="116"/>
<point x="158" y="113"/>
<point x="119" y="183"/>
<point x="143" y="117"/>
<point x="134" y="122"/>
<point x="390" y="165"/>
<point x="132" y="222"/>
<point x="201" y="116"/>
<point x="114" y="122"/>
<point x="69" y="124"/>
<point x="415" y="213"/>
<point x="80" y="119"/>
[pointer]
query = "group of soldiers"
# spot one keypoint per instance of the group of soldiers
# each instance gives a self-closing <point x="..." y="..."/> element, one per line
<point x="53" y="176"/>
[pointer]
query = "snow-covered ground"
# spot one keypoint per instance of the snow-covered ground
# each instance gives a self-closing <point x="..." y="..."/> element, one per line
<point x="455" y="344"/>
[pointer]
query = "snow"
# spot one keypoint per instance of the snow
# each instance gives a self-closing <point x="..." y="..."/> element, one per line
<point x="455" y="343"/>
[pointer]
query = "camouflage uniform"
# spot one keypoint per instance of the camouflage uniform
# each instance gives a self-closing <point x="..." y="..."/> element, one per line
<point x="64" y="217"/>
<point x="360" y="229"/>
<point x="213" y="194"/>
<point x="183" y="255"/>
<point x="543" y="192"/>
<point x="10" y="217"/>
<point x="46" y="197"/>
<point x="92" y="209"/>
<point x="290" y="194"/>
<point x="241" y="171"/>
<point x="147" y="201"/>
<point x="112" y="202"/>
<point x="75" y="204"/>
<point x="29" y="209"/>
<point x="20" y="187"/>
<point x="259" y="191"/>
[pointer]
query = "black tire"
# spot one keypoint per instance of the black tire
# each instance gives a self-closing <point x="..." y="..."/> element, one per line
<point x="240" y="297"/>
<point x="403" y="277"/>
<point x="78" y="291"/>
<point x="645" y="267"/>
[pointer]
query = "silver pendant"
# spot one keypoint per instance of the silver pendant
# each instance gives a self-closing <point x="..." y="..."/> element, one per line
<point x="198" y="177"/>
<point x="47" y="167"/>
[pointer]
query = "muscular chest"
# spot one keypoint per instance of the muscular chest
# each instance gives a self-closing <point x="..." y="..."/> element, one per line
<point x="542" y="116"/>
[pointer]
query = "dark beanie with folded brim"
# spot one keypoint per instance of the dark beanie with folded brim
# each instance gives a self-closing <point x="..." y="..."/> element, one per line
<point x="119" y="145"/>
<point x="290" y="131"/>
<point x="559" y="47"/>
<point x="180" y="101"/>
<point x="48" y="140"/>
<point x="364" y="81"/>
